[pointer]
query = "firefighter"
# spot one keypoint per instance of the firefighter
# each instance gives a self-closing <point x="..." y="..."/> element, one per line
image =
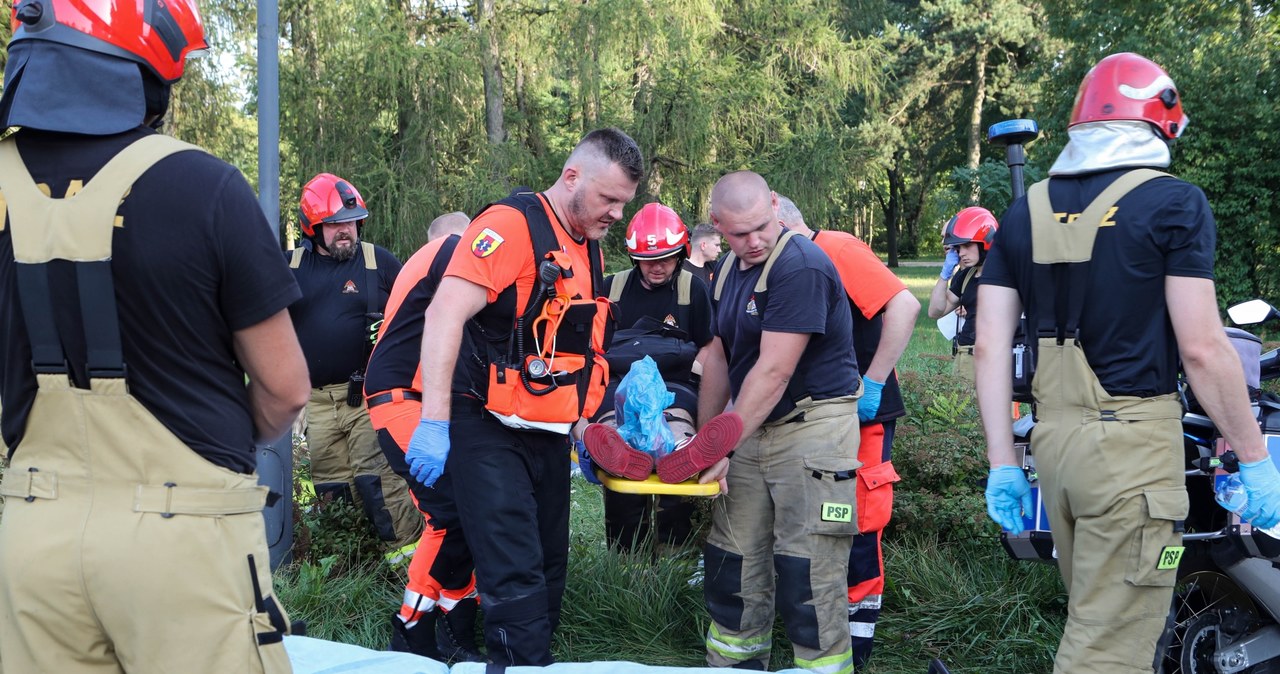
<point x="437" y="616"/>
<point x="884" y="315"/>
<point x="1112" y="259"/>
<point x="664" y="312"/>
<point x="522" y="299"/>
<point x="141" y="283"/>
<point x="704" y="250"/>
<point x="345" y="283"/>
<point x="781" y="534"/>
<point x="968" y="236"/>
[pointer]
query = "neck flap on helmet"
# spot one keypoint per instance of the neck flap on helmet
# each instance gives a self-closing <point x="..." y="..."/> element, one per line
<point x="56" y="87"/>
<point x="1102" y="146"/>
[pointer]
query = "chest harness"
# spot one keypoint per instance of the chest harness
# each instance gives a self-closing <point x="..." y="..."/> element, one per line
<point x="551" y="371"/>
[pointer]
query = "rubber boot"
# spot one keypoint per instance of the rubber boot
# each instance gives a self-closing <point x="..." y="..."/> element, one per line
<point x="419" y="639"/>
<point x="456" y="633"/>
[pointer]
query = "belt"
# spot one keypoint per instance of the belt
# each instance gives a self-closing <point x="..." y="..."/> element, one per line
<point x="964" y="349"/>
<point x="396" y="395"/>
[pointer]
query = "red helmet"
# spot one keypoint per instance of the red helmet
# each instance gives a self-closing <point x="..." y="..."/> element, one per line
<point x="971" y="225"/>
<point x="159" y="34"/>
<point x="328" y="198"/>
<point x="656" y="232"/>
<point x="1130" y="87"/>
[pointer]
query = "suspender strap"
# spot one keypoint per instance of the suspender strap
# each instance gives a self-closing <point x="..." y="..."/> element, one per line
<point x="372" y="309"/>
<point x="762" y="284"/>
<point x="617" y="284"/>
<point x="78" y="228"/>
<point x="968" y="276"/>
<point x="47" y="355"/>
<point x="684" y="287"/>
<point x="1062" y="252"/>
<point x="1057" y="242"/>
<point x="101" y="320"/>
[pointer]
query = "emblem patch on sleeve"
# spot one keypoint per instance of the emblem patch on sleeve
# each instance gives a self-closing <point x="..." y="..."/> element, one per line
<point x="485" y="243"/>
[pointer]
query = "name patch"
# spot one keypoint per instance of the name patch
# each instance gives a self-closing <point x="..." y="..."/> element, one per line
<point x="837" y="512"/>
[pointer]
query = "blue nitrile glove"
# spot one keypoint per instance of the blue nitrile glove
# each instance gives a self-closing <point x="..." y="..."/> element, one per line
<point x="584" y="462"/>
<point x="1262" y="484"/>
<point x="949" y="264"/>
<point x="1008" y="496"/>
<point x="869" y="403"/>
<point x="428" y="450"/>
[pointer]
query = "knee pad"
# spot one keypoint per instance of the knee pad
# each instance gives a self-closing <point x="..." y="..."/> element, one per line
<point x="794" y="594"/>
<point x="721" y="584"/>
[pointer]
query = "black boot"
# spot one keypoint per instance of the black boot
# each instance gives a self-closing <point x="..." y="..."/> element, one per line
<point x="419" y="639"/>
<point x="456" y="633"/>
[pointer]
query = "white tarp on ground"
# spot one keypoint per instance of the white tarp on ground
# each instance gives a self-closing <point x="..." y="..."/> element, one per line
<point x="317" y="656"/>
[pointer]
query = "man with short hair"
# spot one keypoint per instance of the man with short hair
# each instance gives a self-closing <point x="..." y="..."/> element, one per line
<point x="345" y="284"/>
<point x="883" y="318"/>
<point x="784" y="349"/>
<point x="523" y="295"/>
<point x="140" y="284"/>
<point x="447" y="225"/>
<point x="1113" y="262"/>
<point x="438" y="612"/>
<point x="704" y="251"/>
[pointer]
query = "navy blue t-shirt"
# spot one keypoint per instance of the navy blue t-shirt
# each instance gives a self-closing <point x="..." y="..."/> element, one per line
<point x="331" y="316"/>
<point x="193" y="261"/>
<point x="1163" y="228"/>
<point x="804" y="295"/>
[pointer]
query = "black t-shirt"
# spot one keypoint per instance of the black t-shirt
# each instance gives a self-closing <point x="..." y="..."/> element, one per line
<point x="394" y="363"/>
<point x="1163" y="228"/>
<point x="331" y="316"/>
<point x="704" y="272"/>
<point x="193" y="260"/>
<point x="637" y="302"/>
<point x="968" y="294"/>
<point x="804" y="296"/>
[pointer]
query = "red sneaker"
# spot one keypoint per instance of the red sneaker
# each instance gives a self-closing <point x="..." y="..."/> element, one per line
<point x="614" y="456"/>
<point x="712" y="443"/>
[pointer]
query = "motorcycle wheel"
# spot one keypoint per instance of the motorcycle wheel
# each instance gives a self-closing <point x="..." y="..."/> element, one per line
<point x="1202" y="602"/>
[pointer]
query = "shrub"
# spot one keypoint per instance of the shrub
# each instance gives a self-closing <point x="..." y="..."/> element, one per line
<point x="939" y="452"/>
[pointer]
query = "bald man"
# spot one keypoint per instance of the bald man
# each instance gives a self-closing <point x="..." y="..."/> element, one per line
<point x="449" y="223"/>
<point x="884" y="314"/>
<point x="783" y="350"/>
<point x="437" y="616"/>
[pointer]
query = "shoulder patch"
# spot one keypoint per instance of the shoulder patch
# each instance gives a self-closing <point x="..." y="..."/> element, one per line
<point x="485" y="243"/>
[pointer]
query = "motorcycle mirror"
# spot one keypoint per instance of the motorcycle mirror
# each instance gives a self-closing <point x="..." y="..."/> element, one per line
<point x="1252" y="312"/>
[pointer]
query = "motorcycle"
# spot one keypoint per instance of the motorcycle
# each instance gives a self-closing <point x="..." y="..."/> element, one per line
<point x="1225" y="615"/>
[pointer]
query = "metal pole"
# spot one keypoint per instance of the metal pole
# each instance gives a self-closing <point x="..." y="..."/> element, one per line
<point x="275" y="460"/>
<point x="269" y="111"/>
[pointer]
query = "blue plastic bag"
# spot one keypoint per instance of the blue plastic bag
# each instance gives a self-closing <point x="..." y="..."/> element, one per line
<point x="640" y="401"/>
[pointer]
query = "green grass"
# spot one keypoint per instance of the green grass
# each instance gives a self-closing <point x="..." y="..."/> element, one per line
<point x="927" y="346"/>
